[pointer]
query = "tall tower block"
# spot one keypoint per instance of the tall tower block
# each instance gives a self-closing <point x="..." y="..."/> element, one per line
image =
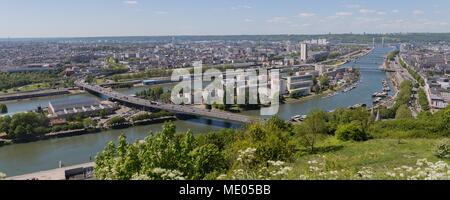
<point x="303" y="52"/>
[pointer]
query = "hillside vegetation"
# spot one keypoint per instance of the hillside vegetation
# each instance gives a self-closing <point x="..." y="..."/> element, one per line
<point x="345" y="144"/>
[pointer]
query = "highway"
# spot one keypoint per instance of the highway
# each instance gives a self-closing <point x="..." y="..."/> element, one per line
<point x="178" y="109"/>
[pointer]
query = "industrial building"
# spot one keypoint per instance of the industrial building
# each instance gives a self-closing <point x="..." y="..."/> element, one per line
<point x="85" y="107"/>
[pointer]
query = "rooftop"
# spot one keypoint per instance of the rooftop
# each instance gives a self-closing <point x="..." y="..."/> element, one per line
<point x="60" y="105"/>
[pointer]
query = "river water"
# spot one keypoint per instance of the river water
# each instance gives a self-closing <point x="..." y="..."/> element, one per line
<point x="43" y="155"/>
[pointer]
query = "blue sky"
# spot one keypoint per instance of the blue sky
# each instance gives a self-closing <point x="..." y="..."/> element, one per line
<point x="67" y="18"/>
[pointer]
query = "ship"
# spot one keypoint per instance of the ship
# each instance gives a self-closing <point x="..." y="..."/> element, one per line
<point x="380" y="94"/>
<point x="377" y="100"/>
<point x="298" y="118"/>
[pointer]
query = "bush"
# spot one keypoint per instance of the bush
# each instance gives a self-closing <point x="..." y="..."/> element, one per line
<point x="423" y="100"/>
<point x="3" y="109"/>
<point x="116" y="121"/>
<point x="403" y="112"/>
<point x="353" y="131"/>
<point x="140" y="117"/>
<point x="443" y="149"/>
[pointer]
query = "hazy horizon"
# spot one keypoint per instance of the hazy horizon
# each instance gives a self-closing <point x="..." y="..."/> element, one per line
<point x="122" y="18"/>
<point x="281" y="34"/>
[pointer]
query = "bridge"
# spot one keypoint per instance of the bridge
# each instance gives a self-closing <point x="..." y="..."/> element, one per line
<point x="177" y="109"/>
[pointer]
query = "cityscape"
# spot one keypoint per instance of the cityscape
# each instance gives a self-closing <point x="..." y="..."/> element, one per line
<point x="293" y="101"/>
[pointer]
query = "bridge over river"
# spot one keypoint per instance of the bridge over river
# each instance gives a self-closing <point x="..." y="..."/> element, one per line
<point x="177" y="109"/>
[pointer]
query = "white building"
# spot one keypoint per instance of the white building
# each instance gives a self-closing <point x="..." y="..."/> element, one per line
<point x="304" y="52"/>
<point x="300" y="84"/>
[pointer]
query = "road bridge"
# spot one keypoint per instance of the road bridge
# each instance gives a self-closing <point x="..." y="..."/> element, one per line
<point x="177" y="109"/>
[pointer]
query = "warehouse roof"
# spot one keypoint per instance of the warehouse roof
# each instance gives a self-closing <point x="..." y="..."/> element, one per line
<point x="60" y="105"/>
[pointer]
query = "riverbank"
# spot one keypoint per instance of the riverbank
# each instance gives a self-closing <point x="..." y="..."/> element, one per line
<point x="38" y="94"/>
<point x="70" y="133"/>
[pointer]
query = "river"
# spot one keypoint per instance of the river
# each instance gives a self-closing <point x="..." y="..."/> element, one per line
<point x="43" y="155"/>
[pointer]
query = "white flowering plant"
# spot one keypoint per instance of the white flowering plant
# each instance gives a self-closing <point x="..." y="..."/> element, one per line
<point x="271" y="170"/>
<point x="423" y="170"/>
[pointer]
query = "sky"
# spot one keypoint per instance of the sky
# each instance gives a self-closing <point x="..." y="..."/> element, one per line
<point x="90" y="18"/>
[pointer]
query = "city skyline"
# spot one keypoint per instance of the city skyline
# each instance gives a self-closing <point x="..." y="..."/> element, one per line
<point x="50" y="18"/>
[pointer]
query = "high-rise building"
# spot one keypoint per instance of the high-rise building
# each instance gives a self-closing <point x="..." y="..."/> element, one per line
<point x="303" y="52"/>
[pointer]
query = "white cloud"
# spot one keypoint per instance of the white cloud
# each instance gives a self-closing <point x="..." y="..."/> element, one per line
<point x="239" y="7"/>
<point x="366" y="11"/>
<point x="248" y="20"/>
<point x="306" y="14"/>
<point x="161" y="12"/>
<point x="395" y="11"/>
<point x="418" y="12"/>
<point x="130" y="2"/>
<point x="381" y="13"/>
<point x="343" y="14"/>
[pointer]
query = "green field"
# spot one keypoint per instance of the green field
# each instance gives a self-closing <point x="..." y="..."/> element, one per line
<point x="28" y="88"/>
<point x="381" y="155"/>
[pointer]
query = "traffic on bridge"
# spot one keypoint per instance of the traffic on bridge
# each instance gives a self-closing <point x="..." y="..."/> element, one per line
<point x="178" y="109"/>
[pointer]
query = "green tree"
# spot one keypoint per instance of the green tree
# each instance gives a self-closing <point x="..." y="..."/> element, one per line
<point x="103" y="113"/>
<point x="20" y="131"/>
<point x="353" y="131"/>
<point x="423" y="100"/>
<point x="22" y="124"/>
<point x="3" y="109"/>
<point x="324" y="81"/>
<point x="5" y="124"/>
<point x="89" y="122"/>
<point x="206" y="159"/>
<point x="314" y="128"/>
<point x="116" y="121"/>
<point x="403" y="112"/>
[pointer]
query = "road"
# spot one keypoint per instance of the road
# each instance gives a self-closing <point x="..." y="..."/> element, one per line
<point x="178" y="109"/>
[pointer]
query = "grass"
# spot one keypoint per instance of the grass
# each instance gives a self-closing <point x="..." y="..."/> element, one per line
<point x="31" y="87"/>
<point x="100" y="81"/>
<point x="379" y="154"/>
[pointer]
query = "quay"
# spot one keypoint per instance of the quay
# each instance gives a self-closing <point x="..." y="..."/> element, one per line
<point x="33" y="94"/>
<point x="77" y="172"/>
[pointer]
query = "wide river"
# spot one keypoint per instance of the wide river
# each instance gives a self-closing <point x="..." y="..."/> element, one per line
<point x="43" y="155"/>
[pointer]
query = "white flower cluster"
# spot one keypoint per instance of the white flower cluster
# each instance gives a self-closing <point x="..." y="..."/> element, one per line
<point x="247" y="156"/>
<point x="140" y="177"/>
<point x="317" y="170"/>
<point x="272" y="170"/>
<point x="166" y="174"/>
<point x="278" y="170"/>
<point x="424" y="170"/>
<point x="161" y="174"/>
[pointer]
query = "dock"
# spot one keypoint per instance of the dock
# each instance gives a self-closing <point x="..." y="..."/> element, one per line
<point x="79" y="172"/>
<point x="33" y="94"/>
